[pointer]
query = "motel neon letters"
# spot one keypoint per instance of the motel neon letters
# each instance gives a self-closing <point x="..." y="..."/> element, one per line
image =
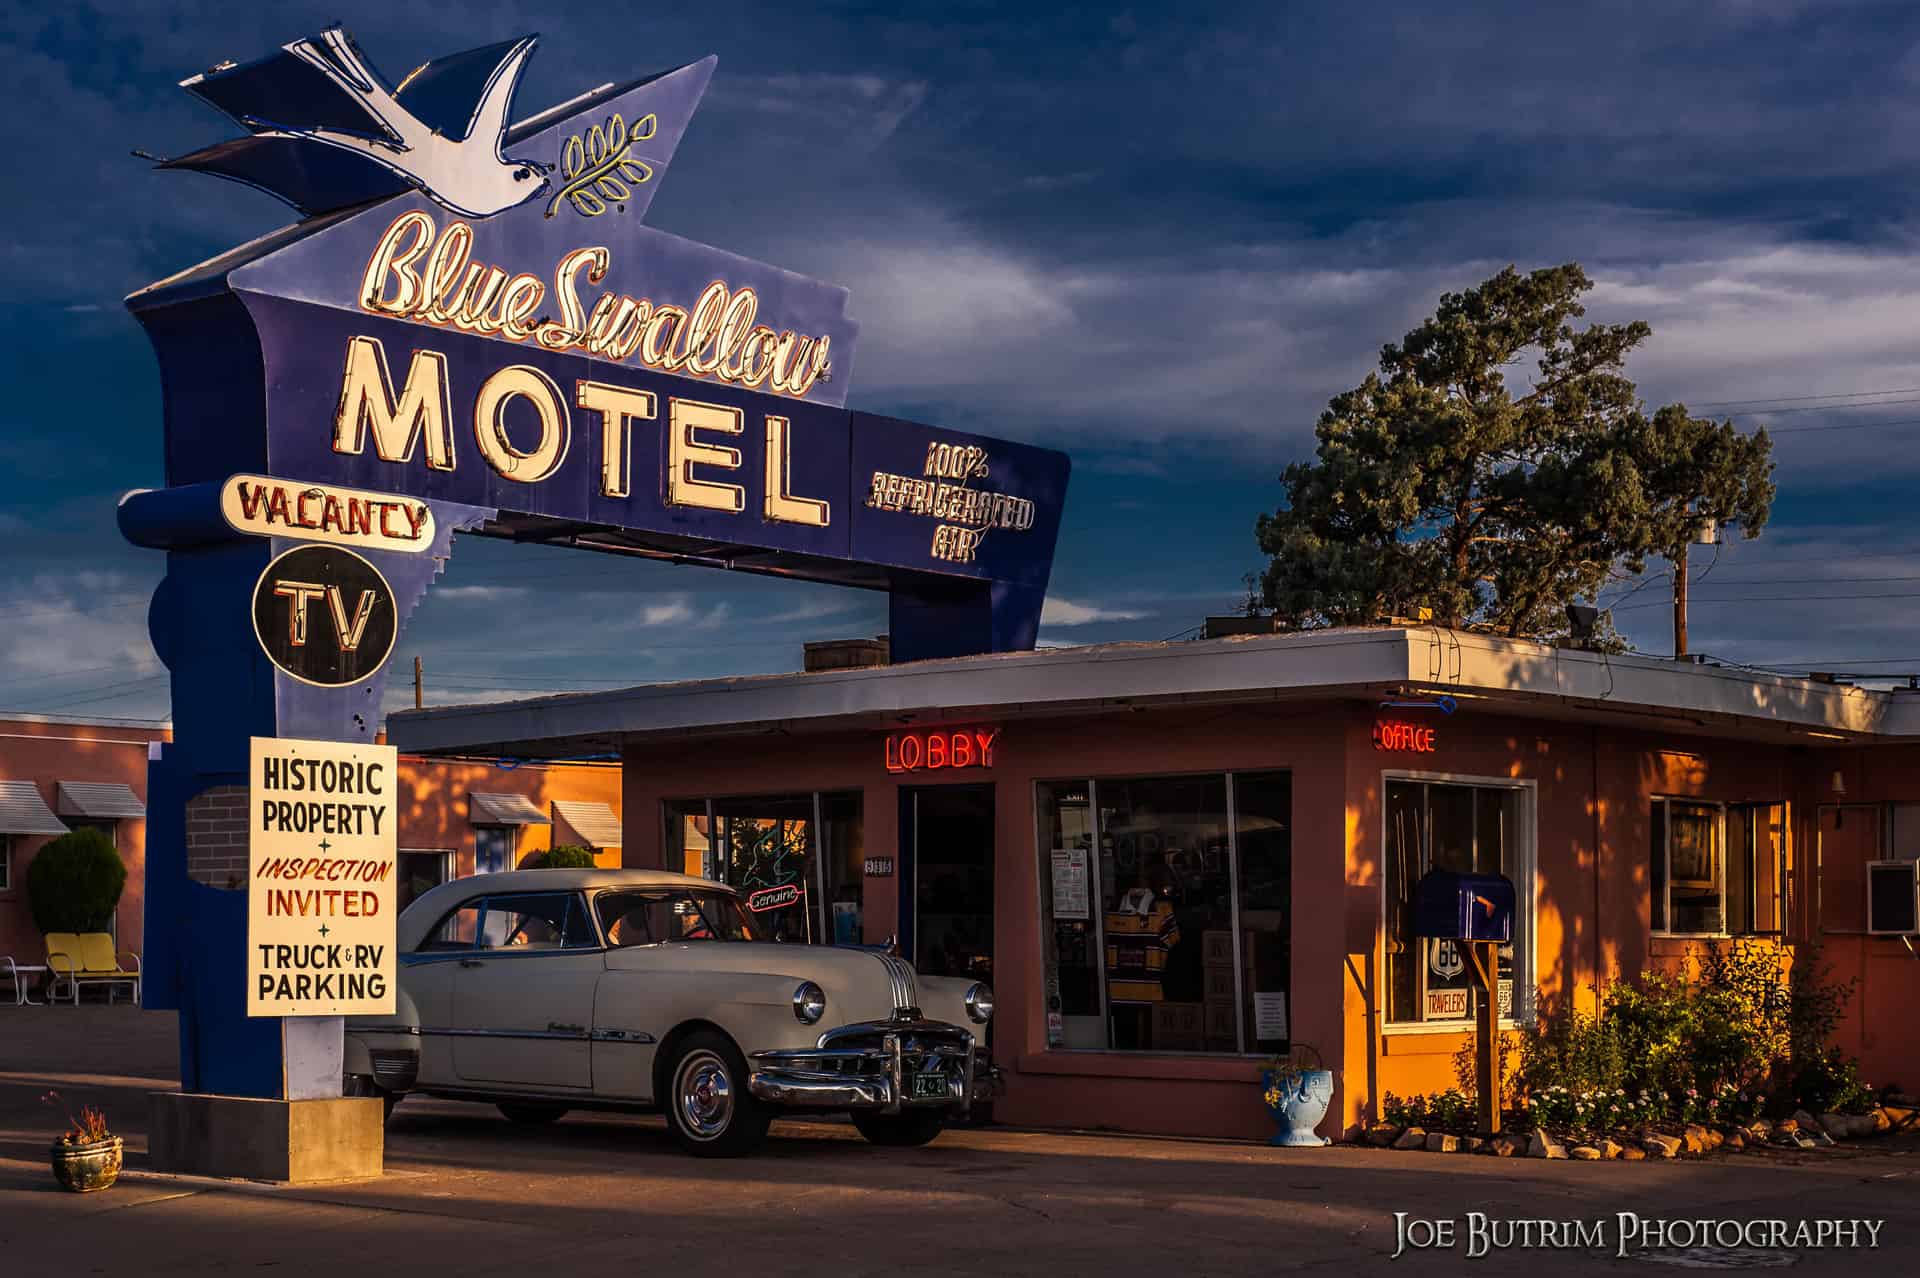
<point x="941" y="748"/>
<point x="420" y="417"/>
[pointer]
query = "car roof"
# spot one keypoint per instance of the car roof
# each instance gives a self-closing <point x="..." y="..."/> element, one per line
<point x="431" y="906"/>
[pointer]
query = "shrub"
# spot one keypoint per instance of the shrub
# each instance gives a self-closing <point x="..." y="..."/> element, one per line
<point x="74" y="884"/>
<point x="1830" y="1083"/>
<point x="567" y="856"/>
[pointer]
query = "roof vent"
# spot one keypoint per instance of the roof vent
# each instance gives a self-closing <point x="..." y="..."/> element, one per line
<point x="846" y="654"/>
<point x="1223" y="627"/>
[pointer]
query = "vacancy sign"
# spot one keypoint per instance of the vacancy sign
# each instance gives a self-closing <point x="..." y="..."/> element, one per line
<point x="321" y="855"/>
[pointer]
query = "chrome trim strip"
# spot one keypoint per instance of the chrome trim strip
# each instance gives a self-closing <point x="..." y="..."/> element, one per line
<point x="572" y="1034"/>
<point x="901" y="980"/>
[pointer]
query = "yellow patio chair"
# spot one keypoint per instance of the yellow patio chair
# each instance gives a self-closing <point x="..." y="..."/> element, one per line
<point x="78" y="958"/>
<point x="100" y="961"/>
<point x="63" y="964"/>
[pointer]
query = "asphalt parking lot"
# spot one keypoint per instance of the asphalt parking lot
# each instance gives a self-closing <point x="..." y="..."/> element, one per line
<point x="468" y="1193"/>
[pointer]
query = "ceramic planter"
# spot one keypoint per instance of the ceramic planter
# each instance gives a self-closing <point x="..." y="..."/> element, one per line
<point x="1300" y="1102"/>
<point x="89" y="1167"/>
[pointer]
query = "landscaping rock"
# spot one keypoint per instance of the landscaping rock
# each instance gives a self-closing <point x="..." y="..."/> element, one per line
<point x="1785" y="1125"/>
<point x="1632" y="1154"/>
<point x="1821" y="1138"/>
<point x="1804" y="1121"/>
<point x="1658" y="1146"/>
<point x="1382" y="1134"/>
<point x="1835" y="1125"/>
<point x="1471" y="1144"/>
<point x="1585" y="1153"/>
<point x="1694" y="1139"/>
<point x="1412" y="1138"/>
<point x="1545" y="1146"/>
<point x="1610" y="1149"/>
<point x="1354" y="1134"/>
<point x="1442" y="1143"/>
<point x="1502" y="1147"/>
<point x="1735" y="1140"/>
<point x="1759" y="1130"/>
<point x="1872" y="1123"/>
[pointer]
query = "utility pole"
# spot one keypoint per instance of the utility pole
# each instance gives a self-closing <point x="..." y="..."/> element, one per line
<point x="1679" y="605"/>
<point x="416" y="684"/>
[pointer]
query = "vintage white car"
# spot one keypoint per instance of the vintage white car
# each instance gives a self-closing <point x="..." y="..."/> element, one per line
<point x="542" y="991"/>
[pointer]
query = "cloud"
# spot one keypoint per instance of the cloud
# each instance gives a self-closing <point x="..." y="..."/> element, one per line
<point x="1064" y="612"/>
<point x="666" y="614"/>
<point x="482" y="594"/>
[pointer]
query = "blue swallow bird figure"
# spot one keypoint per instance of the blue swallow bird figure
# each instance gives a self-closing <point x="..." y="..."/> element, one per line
<point x="327" y="131"/>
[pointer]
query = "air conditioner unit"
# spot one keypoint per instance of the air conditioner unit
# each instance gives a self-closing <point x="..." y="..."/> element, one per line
<point x="1893" y="897"/>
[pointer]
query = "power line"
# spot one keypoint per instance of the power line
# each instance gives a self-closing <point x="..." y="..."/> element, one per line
<point x="1796" y="399"/>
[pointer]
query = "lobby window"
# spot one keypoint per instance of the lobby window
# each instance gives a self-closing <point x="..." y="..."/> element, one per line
<point x="1718" y="869"/>
<point x="1166" y="911"/>
<point x="1479" y="829"/>
<point x="800" y="854"/>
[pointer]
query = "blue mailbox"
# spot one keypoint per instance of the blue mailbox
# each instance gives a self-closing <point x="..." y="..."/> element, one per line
<point x="1463" y="907"/>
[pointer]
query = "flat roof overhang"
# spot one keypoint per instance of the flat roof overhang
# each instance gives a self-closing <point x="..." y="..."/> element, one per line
<point x="1510" y="677"/>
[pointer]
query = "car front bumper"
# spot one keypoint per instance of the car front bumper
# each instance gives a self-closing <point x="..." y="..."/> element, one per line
<point x="882" y="1066"/>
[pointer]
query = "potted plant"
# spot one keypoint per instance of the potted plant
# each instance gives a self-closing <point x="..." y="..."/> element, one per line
<point x="87" y="1156"/>
<point x="1296" y="1088"/>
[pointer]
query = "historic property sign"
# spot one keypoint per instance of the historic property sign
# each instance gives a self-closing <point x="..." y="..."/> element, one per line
<point x="321" y="855"/>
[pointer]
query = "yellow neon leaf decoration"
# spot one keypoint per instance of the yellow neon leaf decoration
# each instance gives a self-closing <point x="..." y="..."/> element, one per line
<point x="598" y="166"/>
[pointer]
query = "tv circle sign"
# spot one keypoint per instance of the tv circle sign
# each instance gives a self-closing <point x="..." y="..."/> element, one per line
<point x="324" y="615"/>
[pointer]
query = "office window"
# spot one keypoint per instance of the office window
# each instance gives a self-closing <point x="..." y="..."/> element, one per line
<point x="1161" y="932"/>
<point x="1718" y="869"/>
<point x="1475" y="829"/>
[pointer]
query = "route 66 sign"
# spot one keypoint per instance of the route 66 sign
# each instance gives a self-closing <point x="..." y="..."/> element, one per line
<point x="1443" y="957"/>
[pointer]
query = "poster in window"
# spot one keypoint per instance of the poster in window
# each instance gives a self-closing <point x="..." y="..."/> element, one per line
<point x="1070" y="897"/>
<point x="1269" y="1015"/>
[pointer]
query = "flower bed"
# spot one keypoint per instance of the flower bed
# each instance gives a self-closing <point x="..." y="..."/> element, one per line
<point x="1666" y="1066"/>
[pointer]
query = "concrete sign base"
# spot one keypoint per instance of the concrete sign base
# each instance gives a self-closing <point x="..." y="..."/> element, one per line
<point x="300" y="1142"/>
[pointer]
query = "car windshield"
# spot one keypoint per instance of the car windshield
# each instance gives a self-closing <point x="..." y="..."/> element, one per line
<point x="653" y="917"/>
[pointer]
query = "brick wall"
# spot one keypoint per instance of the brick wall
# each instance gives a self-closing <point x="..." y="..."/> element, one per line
<point x="217" y="837"/>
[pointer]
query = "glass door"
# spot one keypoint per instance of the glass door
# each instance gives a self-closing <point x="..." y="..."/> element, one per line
<point x="952" y="881"/>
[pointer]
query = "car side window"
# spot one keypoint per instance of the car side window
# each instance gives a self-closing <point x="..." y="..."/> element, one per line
<point x="537" y="921"/>
<point x="457" y="931"/>
<point x="634" y="918"/>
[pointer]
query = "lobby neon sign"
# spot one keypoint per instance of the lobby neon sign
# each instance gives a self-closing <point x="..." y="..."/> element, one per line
<point x="942" y="748"/>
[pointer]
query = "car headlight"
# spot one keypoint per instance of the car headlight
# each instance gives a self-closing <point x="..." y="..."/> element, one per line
<point x="980" y="1003"/>
<point x="809" y="1003"/>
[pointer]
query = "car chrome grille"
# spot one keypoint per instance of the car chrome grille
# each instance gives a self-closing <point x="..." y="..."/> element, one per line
<point x="900" y="977"/>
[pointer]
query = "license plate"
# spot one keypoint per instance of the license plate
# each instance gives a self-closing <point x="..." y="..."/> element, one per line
<point x="929" y="1085"/>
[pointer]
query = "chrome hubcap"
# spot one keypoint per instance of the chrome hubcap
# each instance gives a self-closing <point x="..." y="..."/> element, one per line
<point x="703" y="1093"/>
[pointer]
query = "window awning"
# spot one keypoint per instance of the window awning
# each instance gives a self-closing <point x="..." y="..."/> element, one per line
<point x="23" y="811"/>
<point x="98" y="800"/>
<point x="503" y="809"/>
<point x="594" y="822"/>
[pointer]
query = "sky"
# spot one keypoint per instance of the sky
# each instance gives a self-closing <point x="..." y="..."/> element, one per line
<point x="1159" y="238"/>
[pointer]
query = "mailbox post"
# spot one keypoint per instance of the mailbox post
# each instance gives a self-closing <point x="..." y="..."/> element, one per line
<point x="1476" y="912"/>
